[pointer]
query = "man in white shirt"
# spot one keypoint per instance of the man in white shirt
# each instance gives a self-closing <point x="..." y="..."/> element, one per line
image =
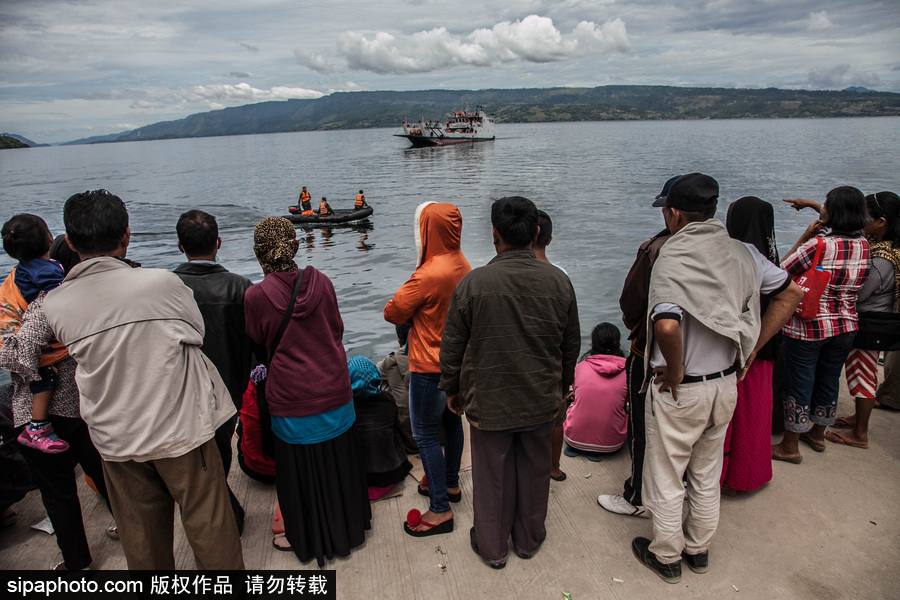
<point x="704" y="329"/>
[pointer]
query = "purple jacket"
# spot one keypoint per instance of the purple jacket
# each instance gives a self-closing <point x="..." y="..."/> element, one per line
<point x="308" y="374"/>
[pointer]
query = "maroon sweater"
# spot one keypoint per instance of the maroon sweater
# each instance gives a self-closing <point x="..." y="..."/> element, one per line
<point x="308" y="374"/>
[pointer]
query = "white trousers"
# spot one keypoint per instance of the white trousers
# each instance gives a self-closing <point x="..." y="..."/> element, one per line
<point x="685" y="441"/>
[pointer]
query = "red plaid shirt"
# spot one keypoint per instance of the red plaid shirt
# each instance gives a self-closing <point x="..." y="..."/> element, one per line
<point x="847" y="259"/>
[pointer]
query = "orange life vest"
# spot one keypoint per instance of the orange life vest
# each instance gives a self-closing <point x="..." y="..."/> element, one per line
<point x="360" y="201"/>
<point x="323" y="208"/>
<point x="304" y="196"/>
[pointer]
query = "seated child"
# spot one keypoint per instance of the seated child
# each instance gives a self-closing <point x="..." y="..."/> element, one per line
<point x="27" y="239"/>
<point x="380" y="445"/>
<point x="596" y="421"/>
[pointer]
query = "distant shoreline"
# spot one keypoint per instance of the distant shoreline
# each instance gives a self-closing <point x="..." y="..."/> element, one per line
<point x="368" y="110"/>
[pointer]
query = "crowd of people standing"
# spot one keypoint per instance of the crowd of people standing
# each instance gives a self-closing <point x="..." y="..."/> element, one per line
<point x="711" y="308"/>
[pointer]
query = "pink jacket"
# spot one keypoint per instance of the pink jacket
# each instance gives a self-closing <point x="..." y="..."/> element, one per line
<point x="596" y="420"/>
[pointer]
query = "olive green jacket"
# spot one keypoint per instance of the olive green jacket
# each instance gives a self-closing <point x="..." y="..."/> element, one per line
<point x="510" y="342"/>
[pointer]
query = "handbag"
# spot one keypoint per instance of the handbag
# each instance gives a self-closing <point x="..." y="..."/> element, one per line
<point x="813" y="283"/>
<point x="265" y="417"/>
<point x="878" y="331"/>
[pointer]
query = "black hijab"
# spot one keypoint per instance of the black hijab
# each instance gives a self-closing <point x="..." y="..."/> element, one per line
<point x="753" y="220"/>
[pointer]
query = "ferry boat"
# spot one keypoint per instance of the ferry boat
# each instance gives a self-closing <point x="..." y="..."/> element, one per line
<point x="463" y="126"/>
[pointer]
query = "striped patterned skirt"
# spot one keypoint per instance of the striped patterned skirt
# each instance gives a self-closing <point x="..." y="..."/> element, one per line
<point x="861" y="370"/>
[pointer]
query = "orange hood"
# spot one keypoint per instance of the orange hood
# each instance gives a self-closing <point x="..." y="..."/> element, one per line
<point x="438" y="230"/>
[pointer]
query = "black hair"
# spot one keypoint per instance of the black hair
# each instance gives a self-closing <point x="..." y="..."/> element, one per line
<point x="197" y="232"/>
<point x="403" y="333"/>
<point x="698" y="216"/>
<point x="845" y="209"/>
<point x="546" y="231"/>
<point x="605" y="339"/>
<point x="887" y="205"/>
<point x="516" y="220"/>
<point x="96" y="221"/>
<point x="26" y="237"/>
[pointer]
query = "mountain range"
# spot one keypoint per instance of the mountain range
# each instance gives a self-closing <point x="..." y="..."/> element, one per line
<point x="357" y="110"/>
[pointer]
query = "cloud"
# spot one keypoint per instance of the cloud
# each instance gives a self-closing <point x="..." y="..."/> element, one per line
<point x="840" y="76"/>
<point x="212" y="96"/>
<point x="819" y="22"/>
<point x="313" y="61"/>
<point x="533" y="39"/>
<point x="249" y="48"/>
<point x="242" y="93"/>
<point x="239" y="74"/>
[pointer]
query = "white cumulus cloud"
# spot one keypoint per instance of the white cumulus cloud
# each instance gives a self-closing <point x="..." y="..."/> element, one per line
<point x="242" y="92"/>
<point x="819" y="22"/>
<point x="311" y="60"/>
<point x="533" y="39"/>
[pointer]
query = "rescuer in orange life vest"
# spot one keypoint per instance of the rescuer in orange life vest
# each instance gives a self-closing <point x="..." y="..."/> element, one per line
<point x="360" y="201"/>
<point x="325" y="208"/>
<point x="304" y="200"/>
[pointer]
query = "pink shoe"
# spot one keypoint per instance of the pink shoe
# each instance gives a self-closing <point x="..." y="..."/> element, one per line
<point x="42" y="439"/>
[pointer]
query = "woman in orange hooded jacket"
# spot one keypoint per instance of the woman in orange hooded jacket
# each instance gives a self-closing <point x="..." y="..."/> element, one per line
<point x="423" y="301"/>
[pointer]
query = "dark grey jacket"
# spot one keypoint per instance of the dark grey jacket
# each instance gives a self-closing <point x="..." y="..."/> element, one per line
<point x="220" y="296"/>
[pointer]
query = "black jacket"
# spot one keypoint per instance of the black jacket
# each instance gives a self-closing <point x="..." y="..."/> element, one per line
<point x="220" y="296"/>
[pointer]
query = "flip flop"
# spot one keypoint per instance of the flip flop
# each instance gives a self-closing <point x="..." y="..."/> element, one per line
<point x="817" y="446"/>
<point x="562" y="477"/>
<point x="414" y="517"/>
<point x="284" y="545"/>
<point x="451" y="497"/>
<point x="837" y="438"/>
<point x="842" y="423"/>
<point x="791" y="459"/>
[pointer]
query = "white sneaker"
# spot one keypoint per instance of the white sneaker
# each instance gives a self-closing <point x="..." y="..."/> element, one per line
<point x="619" y="505"/>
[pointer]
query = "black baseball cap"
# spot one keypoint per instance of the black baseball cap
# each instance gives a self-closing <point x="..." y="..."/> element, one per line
<point x="694" y="192"/>
<point x="665" y="191"/>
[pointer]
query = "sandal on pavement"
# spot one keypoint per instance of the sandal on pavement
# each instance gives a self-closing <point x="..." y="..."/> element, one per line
<point x="814" y="444"/>
<point x="840" y="437"/>
<point x="281" y="543"/>
<point x="414" y="517"/>
<point x="777" y="455"/>
<point x="843" y="423"/>
<point x="451" y="497"/>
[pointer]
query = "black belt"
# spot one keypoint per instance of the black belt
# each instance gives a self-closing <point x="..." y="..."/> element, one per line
<point x="711" y="376"/>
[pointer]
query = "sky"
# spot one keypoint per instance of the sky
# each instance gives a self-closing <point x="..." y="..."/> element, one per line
<point x="78" y="68"/>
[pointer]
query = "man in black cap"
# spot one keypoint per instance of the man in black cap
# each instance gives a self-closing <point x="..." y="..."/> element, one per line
<point x="703" y="330"/>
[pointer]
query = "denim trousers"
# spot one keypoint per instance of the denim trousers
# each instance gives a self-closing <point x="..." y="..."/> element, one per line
<point x="428" y="412"/>
<point x="812" y="379"/>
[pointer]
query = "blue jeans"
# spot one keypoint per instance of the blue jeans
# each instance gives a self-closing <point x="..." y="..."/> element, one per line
<point x="812" y="378"/>
<point x="428" y="412"/>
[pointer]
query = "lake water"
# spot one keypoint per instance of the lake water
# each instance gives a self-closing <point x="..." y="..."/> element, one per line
<point x="596" y="180"/>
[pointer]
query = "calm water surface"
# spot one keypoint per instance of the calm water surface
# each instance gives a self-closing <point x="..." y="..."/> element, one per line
<point x="597" y="181"/>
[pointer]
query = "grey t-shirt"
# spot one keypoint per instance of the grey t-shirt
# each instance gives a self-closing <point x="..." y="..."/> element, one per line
<point x="877" y="293"/>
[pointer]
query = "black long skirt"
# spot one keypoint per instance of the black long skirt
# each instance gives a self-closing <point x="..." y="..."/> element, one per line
<point x="323" y="497"/>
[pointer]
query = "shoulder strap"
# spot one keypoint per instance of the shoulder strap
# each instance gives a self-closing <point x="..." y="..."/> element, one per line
<point x="287" y="315"/>
<point x="820" y="244"/>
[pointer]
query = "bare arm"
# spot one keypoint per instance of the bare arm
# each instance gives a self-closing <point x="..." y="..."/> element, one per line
<point x="814" y="229"/>
<point x="667" y="333"/>
<point x="801" y="203"/>
<point x="780" y="309"/>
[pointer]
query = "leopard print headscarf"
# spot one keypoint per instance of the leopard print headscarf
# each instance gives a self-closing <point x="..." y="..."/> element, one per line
<point x="275" y="245"/>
